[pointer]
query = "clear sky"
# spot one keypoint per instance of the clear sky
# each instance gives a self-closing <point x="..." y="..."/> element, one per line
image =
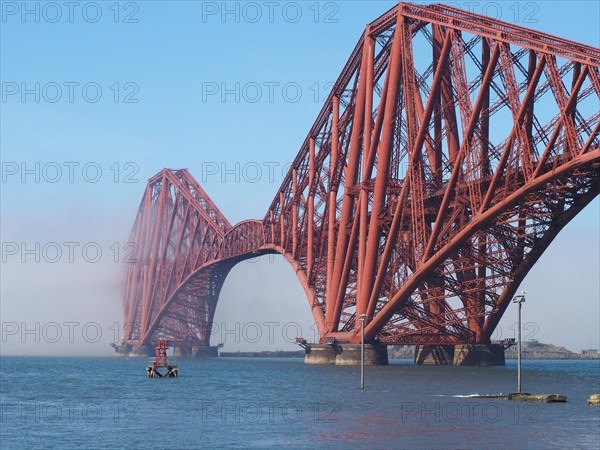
<point x="99" y="96"/>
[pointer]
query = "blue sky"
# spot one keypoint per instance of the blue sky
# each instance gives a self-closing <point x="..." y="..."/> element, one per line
<point x="157" y="69"/>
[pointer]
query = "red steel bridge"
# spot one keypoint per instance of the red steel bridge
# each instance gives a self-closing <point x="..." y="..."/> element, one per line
<point x="450" y="153"/>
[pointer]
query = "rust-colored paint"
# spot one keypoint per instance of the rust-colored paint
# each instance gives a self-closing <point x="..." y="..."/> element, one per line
<point x="402" y="197"/>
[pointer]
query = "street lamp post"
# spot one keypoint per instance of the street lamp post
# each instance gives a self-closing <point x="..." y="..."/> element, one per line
<point x="520" y="299"/>
<point x="362" y="351"/>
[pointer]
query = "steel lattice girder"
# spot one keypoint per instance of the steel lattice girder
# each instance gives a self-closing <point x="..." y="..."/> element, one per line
<point x="427" y="188"/>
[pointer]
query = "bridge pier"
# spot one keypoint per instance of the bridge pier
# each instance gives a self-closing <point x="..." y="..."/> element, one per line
<point x="460" y="355"/>
<point x="436" y="355"/>
<point x="121" y="350"/>
<point x="479" y="355"/>
<point x="345" y="354"/>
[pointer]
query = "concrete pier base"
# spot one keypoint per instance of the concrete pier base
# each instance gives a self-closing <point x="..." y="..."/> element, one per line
<point x="434" y="354"/>
<point x="320" y="354"/>
<point x="460" y="355"/>
<point x="121" y="350"/>
<point x="479" y="355"/>
<point x="345" y="354"/>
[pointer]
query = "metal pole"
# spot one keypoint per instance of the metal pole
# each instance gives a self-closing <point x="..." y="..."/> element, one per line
<point x="519" y="353"/>
<point x="362" y="353"/>
<point x="519" y="299"/>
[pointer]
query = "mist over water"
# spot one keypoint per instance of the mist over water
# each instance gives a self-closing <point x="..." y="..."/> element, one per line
<point x="72" y="307"/>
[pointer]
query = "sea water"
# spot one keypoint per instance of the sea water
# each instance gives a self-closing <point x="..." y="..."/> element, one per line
<point x="278" y="403"/>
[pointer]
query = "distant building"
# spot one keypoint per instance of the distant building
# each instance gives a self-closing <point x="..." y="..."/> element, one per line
<point x="590" y="352"/>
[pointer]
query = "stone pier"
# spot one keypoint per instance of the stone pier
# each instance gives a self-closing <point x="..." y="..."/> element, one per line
<point x="479" y="355"/>
<point x="345" y="354"/>
<point x="434" y="354"/>
<point x="121" y="350"/>
<point x="145" y="351"/>
<point x="460" y="355"/>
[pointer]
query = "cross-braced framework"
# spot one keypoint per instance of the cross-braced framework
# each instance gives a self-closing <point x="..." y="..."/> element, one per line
<point x="451" y="151"/>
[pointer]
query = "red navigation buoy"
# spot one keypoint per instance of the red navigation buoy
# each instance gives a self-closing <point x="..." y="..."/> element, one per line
<point x="162" y="362"/>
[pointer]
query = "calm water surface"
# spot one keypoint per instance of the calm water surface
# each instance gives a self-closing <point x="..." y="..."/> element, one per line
<point x="267" y="403"/>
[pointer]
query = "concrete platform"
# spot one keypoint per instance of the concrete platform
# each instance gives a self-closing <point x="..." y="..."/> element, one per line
<point x="121" y="350"/>
<point x="541" y="398"/>
<point x="526" y="397"/>
<point x="460" y="355"/>
<point x="345" y="354"/>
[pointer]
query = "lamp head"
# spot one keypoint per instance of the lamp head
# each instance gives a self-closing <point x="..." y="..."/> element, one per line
<point x="519" y="298"/>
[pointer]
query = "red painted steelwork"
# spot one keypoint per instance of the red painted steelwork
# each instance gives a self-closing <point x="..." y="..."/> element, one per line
<point x="451" y="151"/>
<point x="161" y="360"/>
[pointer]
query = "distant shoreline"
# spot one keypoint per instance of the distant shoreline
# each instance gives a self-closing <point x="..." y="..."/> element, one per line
<point x="264" y="354"/>
<point x="531" y="351"/>
<point x="269" y="354"/>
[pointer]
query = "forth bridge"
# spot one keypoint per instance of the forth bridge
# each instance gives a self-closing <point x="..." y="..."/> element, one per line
<point x="451" y="151"/>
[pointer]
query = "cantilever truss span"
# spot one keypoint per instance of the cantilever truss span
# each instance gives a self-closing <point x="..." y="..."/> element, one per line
<point x="451" y="151"/>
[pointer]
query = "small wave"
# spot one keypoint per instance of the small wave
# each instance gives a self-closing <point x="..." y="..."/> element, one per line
<point x="466" y="396"/>
<point x="457" y="395"/>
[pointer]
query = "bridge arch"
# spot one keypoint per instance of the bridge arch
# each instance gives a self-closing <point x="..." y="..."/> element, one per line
<point x="244" y="241"/>
<point x="413" y="187"/>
